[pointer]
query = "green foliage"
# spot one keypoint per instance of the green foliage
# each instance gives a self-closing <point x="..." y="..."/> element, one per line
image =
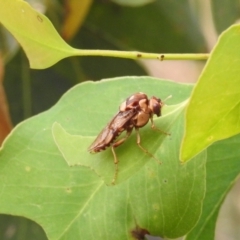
<point x="213" y="111"/>
<point x="47" y="186"/>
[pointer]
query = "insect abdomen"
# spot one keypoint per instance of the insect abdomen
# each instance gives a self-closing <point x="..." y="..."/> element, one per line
<point x="106" y="142"/>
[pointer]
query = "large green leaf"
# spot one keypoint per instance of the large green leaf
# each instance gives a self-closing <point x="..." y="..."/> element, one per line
<point x="213" y="110"/>
<point x="222" y="171"/>
<point x="74" y="202"/>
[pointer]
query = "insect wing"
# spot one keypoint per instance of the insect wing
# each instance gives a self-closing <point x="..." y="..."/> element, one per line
<point x="112" y="130"/>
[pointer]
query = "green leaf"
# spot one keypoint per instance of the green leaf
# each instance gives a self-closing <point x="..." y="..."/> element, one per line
<point x="222" y="171"/>
<point x="213" y="110"/>
<point x="39" y="39"/>
<point x="74" y="202"/>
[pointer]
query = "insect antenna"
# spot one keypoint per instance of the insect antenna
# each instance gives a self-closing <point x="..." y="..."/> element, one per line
<point x="170" y="96"/>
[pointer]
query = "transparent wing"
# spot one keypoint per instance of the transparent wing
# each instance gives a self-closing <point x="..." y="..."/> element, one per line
<point x="112" y="130"/>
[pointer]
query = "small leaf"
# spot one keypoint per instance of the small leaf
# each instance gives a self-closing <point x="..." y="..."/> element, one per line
<point x="214" y="108"/>
<point x="36" y="34"/>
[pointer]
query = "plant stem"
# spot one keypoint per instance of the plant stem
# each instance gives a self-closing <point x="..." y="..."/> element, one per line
<point x="142" y="55"/>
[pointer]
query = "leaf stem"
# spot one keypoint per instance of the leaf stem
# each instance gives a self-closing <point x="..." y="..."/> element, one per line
<point x="142" y="55"/>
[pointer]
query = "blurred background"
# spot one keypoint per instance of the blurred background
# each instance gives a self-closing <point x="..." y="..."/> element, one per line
<point x="160" y="26"/>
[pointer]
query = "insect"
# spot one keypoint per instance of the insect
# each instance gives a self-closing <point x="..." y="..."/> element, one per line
<point x="134" y="112"/>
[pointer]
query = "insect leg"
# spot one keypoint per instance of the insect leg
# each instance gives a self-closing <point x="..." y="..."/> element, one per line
<point x="143" y="149"/>
<point x="157" y="129"/>
<point x="116" y="165"/>
<point x="116" y="144"/>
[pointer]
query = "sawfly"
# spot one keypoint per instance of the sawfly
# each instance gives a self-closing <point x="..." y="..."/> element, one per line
<point x="134" y="112"/>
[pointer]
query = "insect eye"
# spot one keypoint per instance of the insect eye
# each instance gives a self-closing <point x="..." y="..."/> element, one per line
<point x="155" y="105"/>
<point x="156" y="109"/>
